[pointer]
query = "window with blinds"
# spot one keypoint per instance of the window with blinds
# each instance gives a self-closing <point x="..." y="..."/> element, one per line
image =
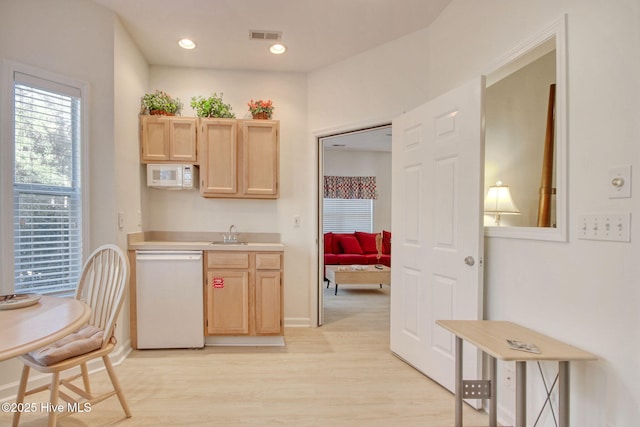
<point x="347" y="215"/>
<point x="47" y="196"/>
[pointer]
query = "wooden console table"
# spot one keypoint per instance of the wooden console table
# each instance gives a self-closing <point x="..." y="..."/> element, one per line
<point x="368" y="274"/>
<point x="490" y="336"/>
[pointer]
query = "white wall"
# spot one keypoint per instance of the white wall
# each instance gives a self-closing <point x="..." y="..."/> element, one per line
<point x="582" y="292"/>
<point x="131" y="74"/>
<point x="187" y="211"/>
<point x="366" y="163"/>
<point x="73" y="38"/>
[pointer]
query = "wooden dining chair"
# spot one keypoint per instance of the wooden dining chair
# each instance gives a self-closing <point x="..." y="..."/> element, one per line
<point x="105" y="276"/>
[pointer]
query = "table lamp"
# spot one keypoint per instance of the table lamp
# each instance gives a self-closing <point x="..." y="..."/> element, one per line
<point x="499" y="202"/>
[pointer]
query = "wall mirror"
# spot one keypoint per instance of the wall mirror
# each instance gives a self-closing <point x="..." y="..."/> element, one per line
<point x="525" y="140"/>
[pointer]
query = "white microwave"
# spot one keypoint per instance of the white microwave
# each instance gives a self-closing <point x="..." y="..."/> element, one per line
<point x="172" y="176"/>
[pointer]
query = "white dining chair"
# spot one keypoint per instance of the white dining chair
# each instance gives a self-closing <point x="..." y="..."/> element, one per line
<point x="105" y="276"/>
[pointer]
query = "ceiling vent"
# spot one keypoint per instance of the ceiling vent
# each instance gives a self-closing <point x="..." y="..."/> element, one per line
<point x="265" y="35"/>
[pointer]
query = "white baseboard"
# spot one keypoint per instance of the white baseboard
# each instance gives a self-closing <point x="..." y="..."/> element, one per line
<point x="297" y="322"/>
<point x="269" y="341"/>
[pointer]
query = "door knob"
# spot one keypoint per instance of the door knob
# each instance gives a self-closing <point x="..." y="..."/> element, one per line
<point x="469" y="261"/>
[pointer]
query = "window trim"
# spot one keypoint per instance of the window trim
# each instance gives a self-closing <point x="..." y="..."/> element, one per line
<point x="9" y="68"/>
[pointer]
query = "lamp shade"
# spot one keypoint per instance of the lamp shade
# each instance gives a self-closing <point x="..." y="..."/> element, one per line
<point x="499" y="201"/>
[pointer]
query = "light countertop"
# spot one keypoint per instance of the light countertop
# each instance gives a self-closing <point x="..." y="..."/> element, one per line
<point x="205" y="241"/>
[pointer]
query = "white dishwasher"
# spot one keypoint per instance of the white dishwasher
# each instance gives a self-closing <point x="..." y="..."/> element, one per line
<point x="169" y="299"/>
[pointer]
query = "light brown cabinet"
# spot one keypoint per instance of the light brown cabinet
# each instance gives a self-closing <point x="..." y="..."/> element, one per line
<point x="166" y="139"/>
<point x="243" y="293"/>
<point x="239" y="158"/>
<point x="268" y="307"/>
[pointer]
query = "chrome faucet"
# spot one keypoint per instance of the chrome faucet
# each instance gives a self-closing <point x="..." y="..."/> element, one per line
<point x="233" y="234"/>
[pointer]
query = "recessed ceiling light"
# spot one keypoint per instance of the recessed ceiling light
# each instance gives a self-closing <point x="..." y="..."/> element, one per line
<point x="187" y="44"/>
<point x="278" y="49"/>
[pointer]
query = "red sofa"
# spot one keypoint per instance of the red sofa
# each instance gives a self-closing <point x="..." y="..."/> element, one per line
<point x="356" y="248"/>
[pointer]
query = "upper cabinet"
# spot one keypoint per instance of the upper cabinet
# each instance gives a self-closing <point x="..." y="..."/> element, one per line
<point x="239" y="158"/>
<point x="218" y="145"/>
<point x="166" y="139"/>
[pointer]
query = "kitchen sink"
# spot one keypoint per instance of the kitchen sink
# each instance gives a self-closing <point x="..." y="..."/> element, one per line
<point x="221" y="242"/>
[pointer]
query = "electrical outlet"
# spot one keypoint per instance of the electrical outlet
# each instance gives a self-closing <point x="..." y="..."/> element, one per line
<point x="611" y="227"/>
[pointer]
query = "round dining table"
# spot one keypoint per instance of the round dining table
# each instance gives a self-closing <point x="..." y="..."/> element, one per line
<point x="27" y="328"/>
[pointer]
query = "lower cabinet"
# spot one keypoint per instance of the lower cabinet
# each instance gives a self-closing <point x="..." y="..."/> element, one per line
<point x="243" y="293"/>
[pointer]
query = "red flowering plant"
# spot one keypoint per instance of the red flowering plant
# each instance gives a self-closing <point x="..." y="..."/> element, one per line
<point x="260" y="106"/>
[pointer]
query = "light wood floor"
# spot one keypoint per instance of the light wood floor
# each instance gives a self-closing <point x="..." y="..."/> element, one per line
<point x="341" y="374"/>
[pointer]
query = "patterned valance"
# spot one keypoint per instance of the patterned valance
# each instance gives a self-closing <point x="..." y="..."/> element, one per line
<point x="350" y="187"/>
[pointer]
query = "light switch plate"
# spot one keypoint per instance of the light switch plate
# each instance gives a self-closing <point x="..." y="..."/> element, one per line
<point x="121" y="220"/>
<point x="613" y="227"/>
<point x="620" y="182"/>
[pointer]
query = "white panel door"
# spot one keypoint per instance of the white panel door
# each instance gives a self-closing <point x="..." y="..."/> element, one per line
<point x="437" y="174"/>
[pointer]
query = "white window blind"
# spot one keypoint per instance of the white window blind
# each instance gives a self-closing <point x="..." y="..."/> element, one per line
<point x="47" y="197"/>
<point x="347" y="215"/>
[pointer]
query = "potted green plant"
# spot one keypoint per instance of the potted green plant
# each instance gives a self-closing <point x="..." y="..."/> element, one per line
<point x="161" y="103"/>
<point x="212" y="107"/>
<point x="261" y="109"/>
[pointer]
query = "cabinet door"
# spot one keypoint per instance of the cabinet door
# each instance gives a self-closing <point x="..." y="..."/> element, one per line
<point x="227" y="302"/>
<point x="219" y="161"/>
<point x="268" y="303"/>
<point x="154" y="139"/>
<point x="260" y="154"/>
<point x="182" y="137"/>
<point x="165" y="139"/>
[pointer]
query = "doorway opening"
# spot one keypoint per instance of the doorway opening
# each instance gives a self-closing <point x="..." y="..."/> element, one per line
<point x="346" y="158"/>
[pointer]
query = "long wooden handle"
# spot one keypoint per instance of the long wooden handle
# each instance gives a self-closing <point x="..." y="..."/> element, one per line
<point x="546" y="181"/>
